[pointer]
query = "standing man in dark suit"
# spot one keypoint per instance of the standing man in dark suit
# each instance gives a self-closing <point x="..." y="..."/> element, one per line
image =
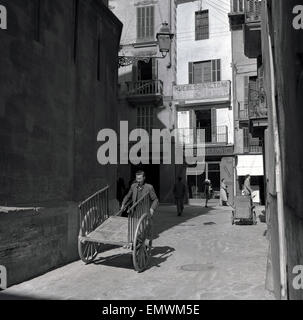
<point x="140" y="189"/>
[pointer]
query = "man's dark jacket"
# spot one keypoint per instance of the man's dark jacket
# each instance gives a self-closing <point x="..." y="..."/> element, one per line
<point x="146" y="189"/>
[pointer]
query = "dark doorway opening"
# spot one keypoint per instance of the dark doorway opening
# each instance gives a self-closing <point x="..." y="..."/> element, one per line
<point x="204" y="122"/>
<point x="145" y="70"/>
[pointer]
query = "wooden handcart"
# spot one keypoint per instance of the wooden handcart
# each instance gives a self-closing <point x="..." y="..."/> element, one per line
<point x="98" y="227"/>
<point x="243" y="210"/>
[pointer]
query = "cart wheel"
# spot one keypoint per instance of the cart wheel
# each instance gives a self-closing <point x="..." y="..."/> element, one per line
<point x="88" y="250"/>
<point x="142" y="243"/>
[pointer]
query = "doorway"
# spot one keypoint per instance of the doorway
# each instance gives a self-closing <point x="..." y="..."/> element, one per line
<point x="195" y="181"/>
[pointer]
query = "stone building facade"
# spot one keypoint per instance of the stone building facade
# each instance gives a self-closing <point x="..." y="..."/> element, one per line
<point x="203" y="92"/>
<point x="250" y="121"/>
<point x="59" y="69"/>
<point x="146" y="87"/>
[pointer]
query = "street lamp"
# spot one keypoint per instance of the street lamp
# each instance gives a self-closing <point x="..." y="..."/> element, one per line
<point x="164" y="37"/>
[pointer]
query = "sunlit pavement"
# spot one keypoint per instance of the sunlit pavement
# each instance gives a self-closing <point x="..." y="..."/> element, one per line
<point x="197" y="256"/>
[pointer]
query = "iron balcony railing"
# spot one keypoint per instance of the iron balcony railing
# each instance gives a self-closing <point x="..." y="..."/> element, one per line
<point x="254" y="146"/>
<point x="243" y="114"/>
<point x="257" y="105"/>
<point x="213" y="135"/>
<point x="257" y="112"/>
<point x="237" y="6"/>
<point x="145" y="87"/>
<point x="252" y="11"/>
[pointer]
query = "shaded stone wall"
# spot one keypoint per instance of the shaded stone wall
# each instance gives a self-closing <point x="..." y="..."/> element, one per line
<point x="53" y="99"/>
<point x="58" y="88"/>
<point x="288" y="53"/>
<point x="34" y="242"/>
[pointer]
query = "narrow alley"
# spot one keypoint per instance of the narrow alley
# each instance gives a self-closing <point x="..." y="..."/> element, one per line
<point x="197" y="256"/>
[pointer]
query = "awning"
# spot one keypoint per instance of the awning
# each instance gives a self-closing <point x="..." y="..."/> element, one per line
<point x="250" y="164"/>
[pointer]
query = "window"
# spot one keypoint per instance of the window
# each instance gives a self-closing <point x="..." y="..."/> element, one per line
<point x="145" y="23"/>
<point x="202" y="25"/>
<point x="237" y="6"/>
<point x="145" y="118"/>
<point x="205" y="71"/>
<point x="246" y="139"/>
<point x="216" y="70"/>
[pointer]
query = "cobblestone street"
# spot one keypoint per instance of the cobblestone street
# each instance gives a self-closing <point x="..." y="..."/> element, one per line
<point x="197" y="256"/>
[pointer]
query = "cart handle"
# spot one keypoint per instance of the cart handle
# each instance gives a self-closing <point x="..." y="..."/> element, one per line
<point x="100" y="191"/>
<point x="121" y="210"/>
<point x="136" y="204"/>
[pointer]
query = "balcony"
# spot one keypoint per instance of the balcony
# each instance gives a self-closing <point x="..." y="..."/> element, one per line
<point x="243" y="115"/>
<point x="213" y="136"/>
<point x="218" y="93"/>
<point x="257" y="105"/>
<point x="257" y="112"/>
<point x="253" y="11"/>
<point x="255" y="146"/>
<point x="252" y="28"/>
<point x="236" y="15"/>
<point x="145" y="91"/>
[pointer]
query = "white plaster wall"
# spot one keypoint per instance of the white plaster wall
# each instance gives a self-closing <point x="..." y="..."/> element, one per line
<point x="218" y="46"/>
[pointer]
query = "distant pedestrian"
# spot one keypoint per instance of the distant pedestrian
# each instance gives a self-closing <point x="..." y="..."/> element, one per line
<point x="207" y="191"/>
<point x="247" y="190"/>
<point x="179" y="194"/>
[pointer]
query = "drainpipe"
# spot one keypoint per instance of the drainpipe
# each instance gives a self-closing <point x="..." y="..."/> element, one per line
<point x="170" y="25"/>
<point x="279" y="182"/>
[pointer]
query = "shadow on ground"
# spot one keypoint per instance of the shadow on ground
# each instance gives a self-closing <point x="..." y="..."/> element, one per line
<point x="167" y="217"/>
<point x="4" y="296"/>
<point x="125" y="260"/>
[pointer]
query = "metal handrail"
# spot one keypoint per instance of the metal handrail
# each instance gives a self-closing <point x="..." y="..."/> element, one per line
<point x="155" y="85"/>
<point x="94" y="211"/>
<point x="95" y="194"/>
<point x="252" y="10"/>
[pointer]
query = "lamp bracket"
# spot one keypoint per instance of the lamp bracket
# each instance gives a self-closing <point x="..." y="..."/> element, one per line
<point x="125" y="61"/>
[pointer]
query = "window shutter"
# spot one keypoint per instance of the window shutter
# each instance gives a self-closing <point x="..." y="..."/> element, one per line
<point x="213" y="71"/>
<point x="206" y="72"/>
<point x="214" y="125"/>
<point x="246" y="137"/>
<point x="218" y="70"/>
<point x="191" y="72"/>
<point x="152" y="22"/>
<point x="139" y="19"/>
